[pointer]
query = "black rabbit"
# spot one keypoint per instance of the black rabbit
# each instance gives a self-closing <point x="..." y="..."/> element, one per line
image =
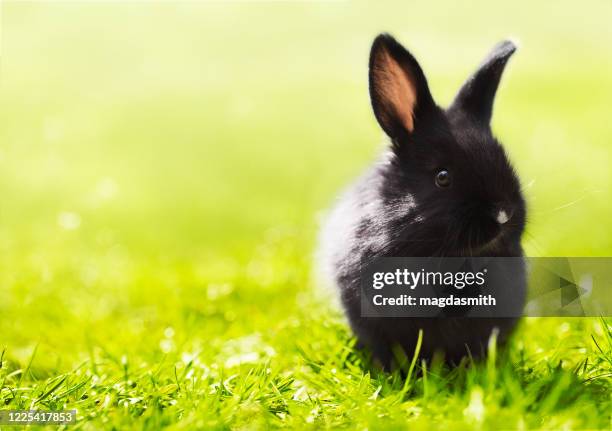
<point x="443" y="187"/>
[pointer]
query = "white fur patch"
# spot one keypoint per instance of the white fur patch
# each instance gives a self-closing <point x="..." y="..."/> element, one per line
<point x="502" y="217"/>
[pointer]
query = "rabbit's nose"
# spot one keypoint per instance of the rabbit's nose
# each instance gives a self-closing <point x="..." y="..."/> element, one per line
<point x="503" y="215"/>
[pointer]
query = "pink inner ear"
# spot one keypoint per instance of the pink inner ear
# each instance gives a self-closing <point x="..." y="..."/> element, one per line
<point x="396" y="89"/>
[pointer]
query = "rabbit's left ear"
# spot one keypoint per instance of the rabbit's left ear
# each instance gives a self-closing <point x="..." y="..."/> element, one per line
<point x="476" y="96"/>
<point x="398" y="88"/>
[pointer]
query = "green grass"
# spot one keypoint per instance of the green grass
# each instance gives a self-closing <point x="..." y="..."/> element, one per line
<point x="162" y="170"/>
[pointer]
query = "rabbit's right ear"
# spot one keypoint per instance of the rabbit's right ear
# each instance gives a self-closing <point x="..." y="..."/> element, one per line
<point x="398" y="88"/>
<point x="476" y="96"/>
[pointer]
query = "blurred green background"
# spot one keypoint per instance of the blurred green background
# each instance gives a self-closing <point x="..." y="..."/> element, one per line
<point x="163" y="166"/>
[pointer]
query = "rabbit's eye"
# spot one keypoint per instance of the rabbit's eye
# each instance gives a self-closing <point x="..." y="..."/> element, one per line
<point x="443" y="178"/>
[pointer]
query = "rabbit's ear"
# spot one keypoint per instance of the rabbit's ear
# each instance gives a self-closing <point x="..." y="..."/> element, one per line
<point x="398" y="88"/>
<point x="475" y="98"/>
